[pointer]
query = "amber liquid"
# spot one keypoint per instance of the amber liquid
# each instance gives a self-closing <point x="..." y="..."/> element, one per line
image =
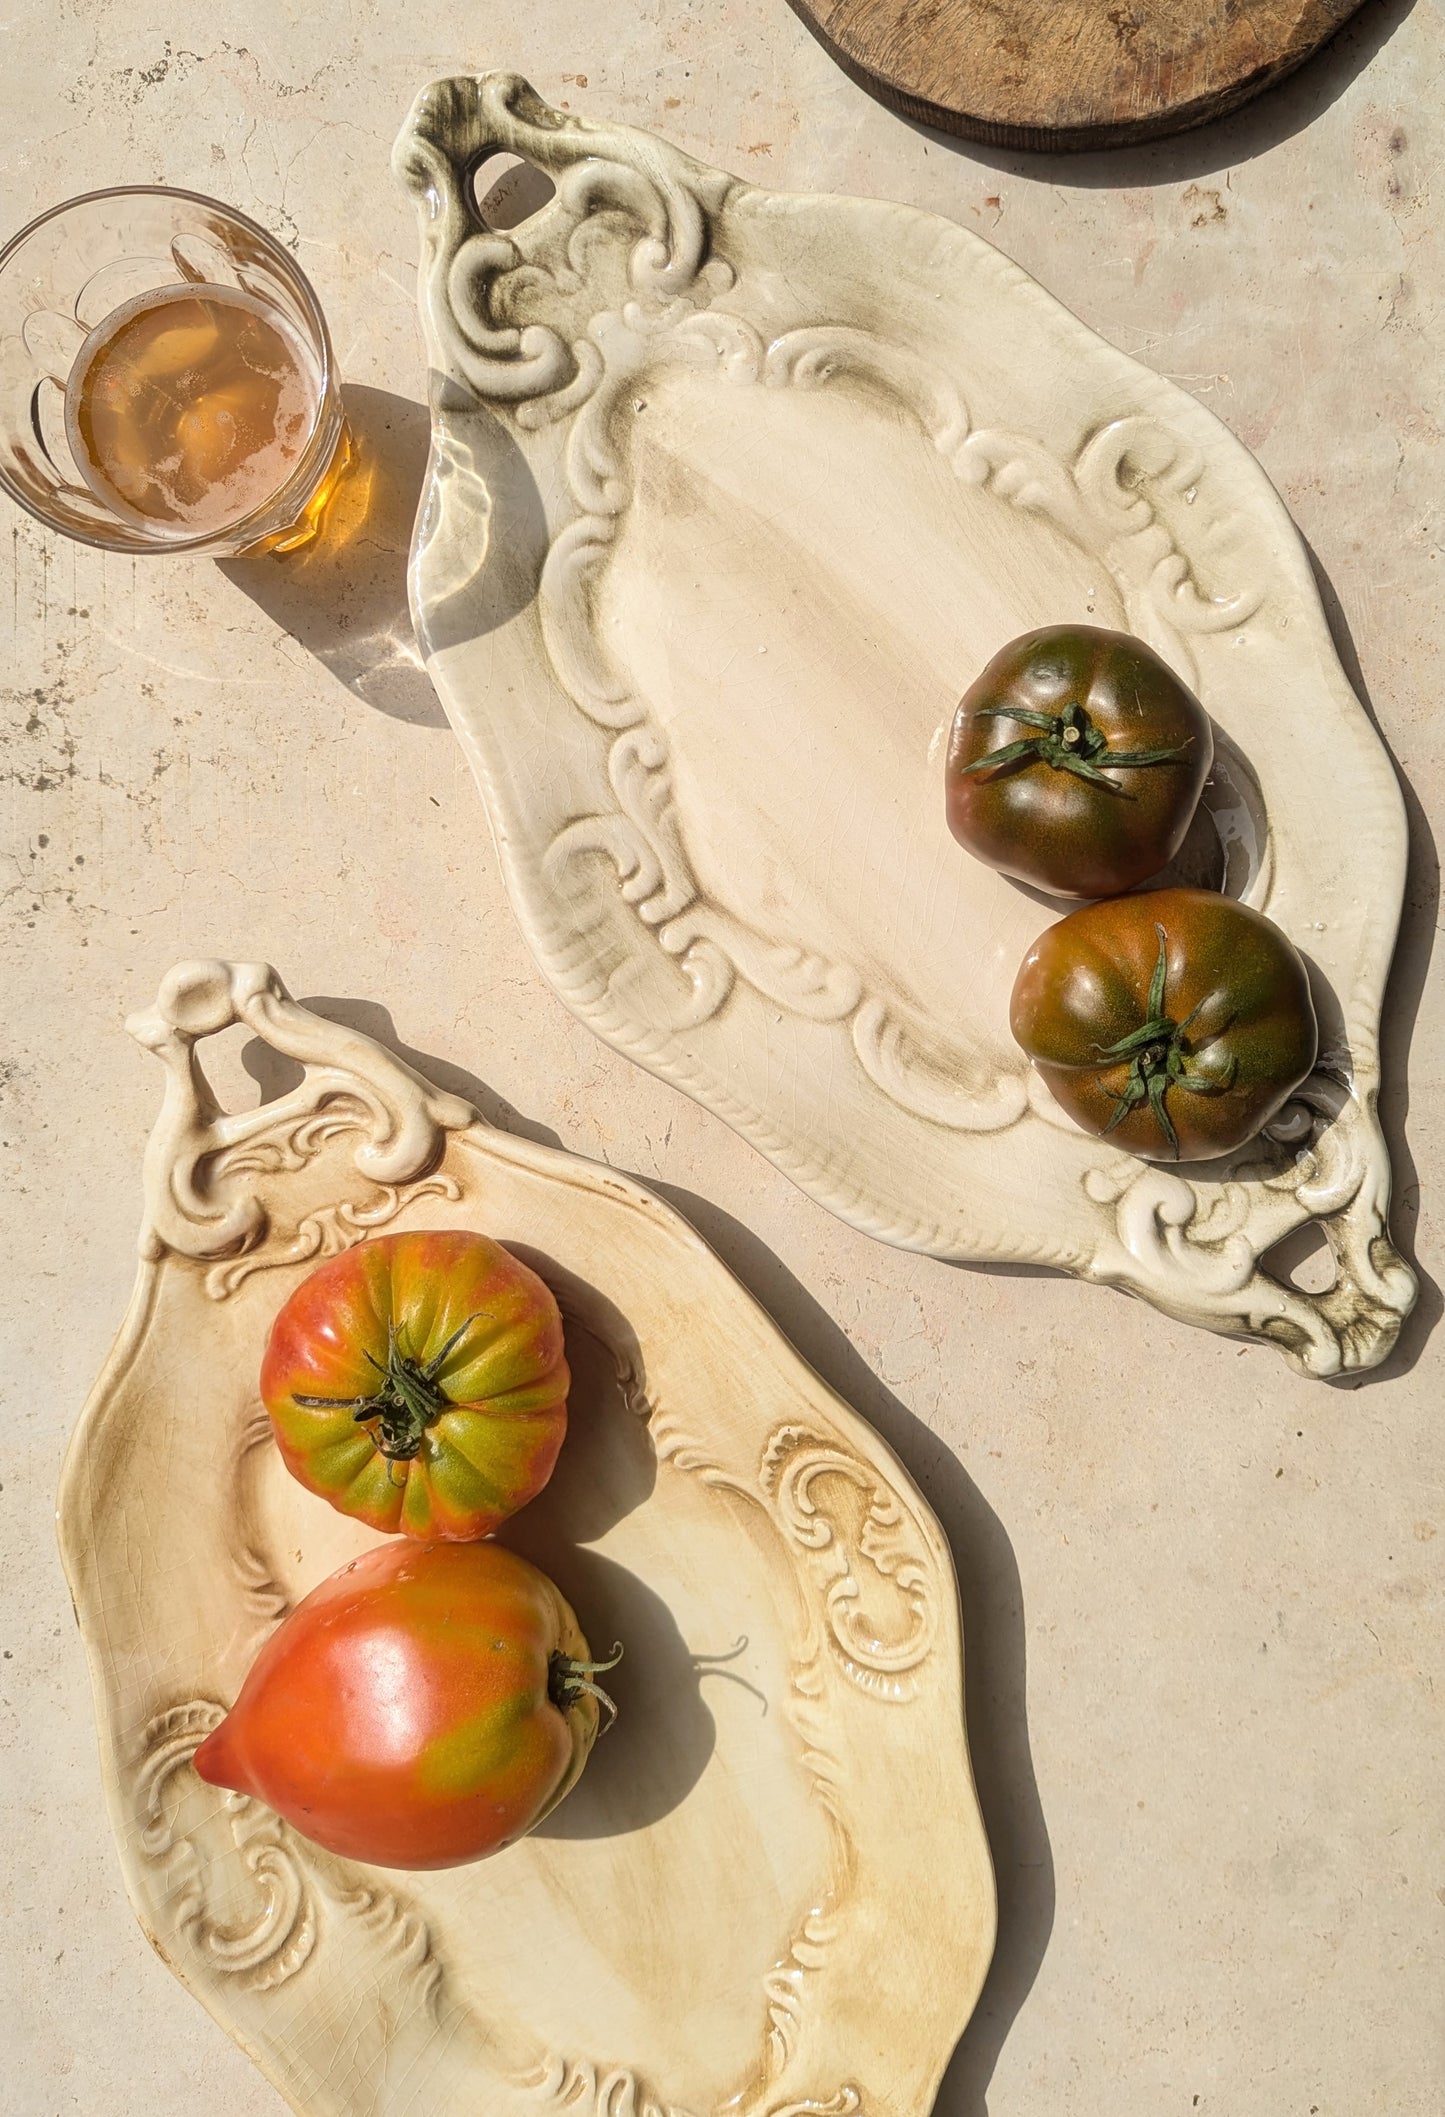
<point x="189" y="408"/>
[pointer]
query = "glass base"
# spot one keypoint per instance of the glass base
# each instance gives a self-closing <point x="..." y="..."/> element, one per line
<point x="308" y="523"/>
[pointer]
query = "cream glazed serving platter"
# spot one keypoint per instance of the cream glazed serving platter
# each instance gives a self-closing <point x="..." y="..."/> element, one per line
<point x="731" y="495"/>
<point x="770" y="1892"/>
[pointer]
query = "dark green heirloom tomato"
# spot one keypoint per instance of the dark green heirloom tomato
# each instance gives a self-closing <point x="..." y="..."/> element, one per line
<point x="419" y="1383"/>
<point x="1176" y="1021"/>
<point x="1076" y="762"/>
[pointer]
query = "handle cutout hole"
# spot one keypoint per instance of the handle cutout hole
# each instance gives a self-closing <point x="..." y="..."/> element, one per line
<point x="227" y="1060"/>
<point x="1302" y="1259"/>
<point x="508" y="190"/>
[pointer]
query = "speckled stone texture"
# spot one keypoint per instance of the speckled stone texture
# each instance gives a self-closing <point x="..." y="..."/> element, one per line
<point x="1202" y="1595"/>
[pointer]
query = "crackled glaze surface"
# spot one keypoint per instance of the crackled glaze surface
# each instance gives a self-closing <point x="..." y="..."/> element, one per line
<point x="770" y="1890"/>
<point x="731" y="495"/>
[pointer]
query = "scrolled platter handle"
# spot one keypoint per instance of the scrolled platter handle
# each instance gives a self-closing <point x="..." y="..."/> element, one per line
<point x="211" y="1176"/>
<point x="1200" y="1249"/>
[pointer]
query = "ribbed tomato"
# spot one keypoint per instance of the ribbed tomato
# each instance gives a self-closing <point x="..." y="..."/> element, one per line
<point x="419" y="1382"/>
<point x="425" y="1706"/>
<point x="1177" y="1020"/>
<point x="1076" y="761"/>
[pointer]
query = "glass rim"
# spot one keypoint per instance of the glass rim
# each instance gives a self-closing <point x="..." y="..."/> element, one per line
<point x="316" y="316"/>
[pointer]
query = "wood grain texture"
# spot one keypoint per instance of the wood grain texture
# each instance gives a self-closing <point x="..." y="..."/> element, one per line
<point x="1070" y="73"/>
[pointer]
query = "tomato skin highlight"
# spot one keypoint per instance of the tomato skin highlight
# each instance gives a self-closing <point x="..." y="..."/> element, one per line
<point x="500" y="1390"/>
<point x="401" y="1713"/>
<point x="1042" y="823"/>
<point x="1084" y="986"/>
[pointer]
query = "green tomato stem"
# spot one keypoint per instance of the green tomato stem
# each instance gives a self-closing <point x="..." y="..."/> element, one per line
<point x="1067" y="742"/>
<point x="569" y="1679"/>
<point x="407" y="1401"/>
<point x="1160" y="1057"/>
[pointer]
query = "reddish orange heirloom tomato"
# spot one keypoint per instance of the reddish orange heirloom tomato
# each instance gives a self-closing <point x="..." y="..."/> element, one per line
<point x="425" y="1706"/>
<point x="419" y="1383"/>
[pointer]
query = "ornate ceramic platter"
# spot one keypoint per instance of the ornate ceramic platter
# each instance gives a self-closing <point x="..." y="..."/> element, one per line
<point x="770" y="1891"/>
<point x="731" y="495"/>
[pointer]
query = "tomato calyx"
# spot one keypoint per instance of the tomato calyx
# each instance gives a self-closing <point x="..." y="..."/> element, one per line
<point x="569" y="1679"/>
<point x="407" y="1401"/>
<point x="1160" y="1056"/>
<point x="1068" y="742"/>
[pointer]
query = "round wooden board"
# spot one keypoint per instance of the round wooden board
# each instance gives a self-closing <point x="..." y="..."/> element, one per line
<point x="1070" y="73"/>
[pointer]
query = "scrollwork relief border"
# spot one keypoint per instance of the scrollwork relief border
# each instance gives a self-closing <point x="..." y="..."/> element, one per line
<point x="838" y="1641"/>
<point x="275" y="1945"/>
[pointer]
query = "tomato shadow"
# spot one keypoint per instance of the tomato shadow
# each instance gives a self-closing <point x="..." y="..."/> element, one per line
<point x="608" y="1465"/>
<point x="648" y="1761"/>
<point x="995" y="1643"/>
<point x="652" y="1756"/>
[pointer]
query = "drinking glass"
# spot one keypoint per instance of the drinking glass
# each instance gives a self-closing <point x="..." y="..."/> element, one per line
<point x="166" y="378"/>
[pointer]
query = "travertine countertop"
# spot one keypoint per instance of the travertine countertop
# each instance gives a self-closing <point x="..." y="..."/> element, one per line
<point x="1202" y="1595"/>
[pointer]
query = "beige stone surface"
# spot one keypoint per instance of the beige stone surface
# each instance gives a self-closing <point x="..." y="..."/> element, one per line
<point x="1201" y="1594"/>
